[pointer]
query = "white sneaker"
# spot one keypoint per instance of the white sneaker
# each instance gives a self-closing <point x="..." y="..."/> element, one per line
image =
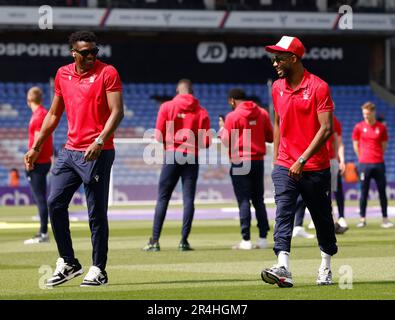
<point x="301" y="233"/>
<point x="277" y="275"/>
<point x="324" y="277"/>
<point x="95" y="277"/>
<point x="361" y="224"/>
<point x="261" y="243"/>
<point x="311" y="225"/>
<point x="243" y="245"/>
<point x="342" y="222"/>
<point x="387" y="225"/>
<point x="38" y="238"/>
<point x="64" y="272"/>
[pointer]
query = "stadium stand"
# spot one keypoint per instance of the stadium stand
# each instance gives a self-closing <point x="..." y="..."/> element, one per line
<point x="142" y="101"/>
<point x="366" y="6"/>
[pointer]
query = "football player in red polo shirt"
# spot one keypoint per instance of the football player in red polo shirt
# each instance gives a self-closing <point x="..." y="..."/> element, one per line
<point x="303" y="123"/>
<point x="37" y="177"/>
<point x="91" y="93"/>
<point x="246" y="130"/>
<point x="370" y="139"/>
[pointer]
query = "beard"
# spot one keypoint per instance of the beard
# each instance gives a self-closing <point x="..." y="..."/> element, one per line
<point x="283" y="73"/>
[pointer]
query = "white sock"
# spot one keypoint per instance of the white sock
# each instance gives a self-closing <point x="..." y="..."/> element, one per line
<point x="283" y="259"/>
<point x="326" y="261"/>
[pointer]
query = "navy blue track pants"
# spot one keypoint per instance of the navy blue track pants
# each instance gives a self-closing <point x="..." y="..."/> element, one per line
<point x="314" y="186"/>
<point x="250" y="187"/>
<point x="171" y="172"/>
<point x="367" y="171"/>
<point x="69" y="172"/>
<point x="38" y="184"/>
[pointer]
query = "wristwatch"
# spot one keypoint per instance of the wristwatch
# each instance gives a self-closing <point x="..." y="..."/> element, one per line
<point x="301" y="160"/>
<point x="99" y="141"/>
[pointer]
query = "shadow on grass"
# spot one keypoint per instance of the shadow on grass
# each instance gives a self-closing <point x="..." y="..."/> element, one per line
<point x="175" y="282"/>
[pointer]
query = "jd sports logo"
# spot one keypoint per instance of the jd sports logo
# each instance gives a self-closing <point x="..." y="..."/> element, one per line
<point x="212" y="52"/>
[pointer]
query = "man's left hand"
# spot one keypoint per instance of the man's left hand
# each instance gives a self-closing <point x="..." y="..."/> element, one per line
<point x="93" y="152"/>
<point x="296" y="170"/>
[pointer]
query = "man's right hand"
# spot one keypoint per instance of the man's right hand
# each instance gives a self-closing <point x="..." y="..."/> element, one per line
<point x="30" y="158"/>
<point x="342" y="167"/>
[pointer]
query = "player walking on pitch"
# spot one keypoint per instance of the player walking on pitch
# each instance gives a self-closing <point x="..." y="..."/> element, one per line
<point x="91" y="93"/>
<point x="303" y="123"/>
<point x="37" y="176"/>
<point x="370" y="140"/>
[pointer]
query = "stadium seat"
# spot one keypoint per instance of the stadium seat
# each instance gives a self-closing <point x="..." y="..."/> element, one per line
<point x="138" y="98"/>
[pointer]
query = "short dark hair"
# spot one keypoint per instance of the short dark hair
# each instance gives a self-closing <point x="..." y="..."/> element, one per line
<point x="87" y="36"/>
<point x="222" y="117"/>
<point x="237" y="94"/>
<point x="187" y="83"/>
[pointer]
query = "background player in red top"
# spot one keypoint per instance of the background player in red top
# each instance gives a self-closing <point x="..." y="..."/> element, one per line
<point x="339" y="194"/>
<point x="303" y="123"/>
<point x="246" y="130"/>
<point x="181" y="125"/>
<point x="370" y="139"/>
<point x="37" y="176"/>
<point x="91" y="93"/>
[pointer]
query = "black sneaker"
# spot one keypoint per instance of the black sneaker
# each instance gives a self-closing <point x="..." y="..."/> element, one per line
<point x="152" y="246"/>
<point x="184" y="246"/>
<point x="95" y="277"/>
<point x="64" y="272"/>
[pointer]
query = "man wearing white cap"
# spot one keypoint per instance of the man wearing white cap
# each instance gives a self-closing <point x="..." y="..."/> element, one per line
<point x="303" y="123"/>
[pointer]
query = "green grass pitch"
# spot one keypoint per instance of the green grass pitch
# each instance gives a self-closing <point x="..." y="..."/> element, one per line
<point x="212" y="271"/>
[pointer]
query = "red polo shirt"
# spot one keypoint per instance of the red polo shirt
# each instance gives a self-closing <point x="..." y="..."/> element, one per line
<point x="182" y="124"/>
<point x="86" y="104"/>
<point x="247" y="116"/>
<point x="298" y="111"/>
<point x="330" y="143"/>
<point x="35" y="124"/>
<point x="369" y="139"/>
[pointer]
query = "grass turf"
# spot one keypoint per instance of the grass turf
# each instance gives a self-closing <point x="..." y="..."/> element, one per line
<point x="212" y="271"/>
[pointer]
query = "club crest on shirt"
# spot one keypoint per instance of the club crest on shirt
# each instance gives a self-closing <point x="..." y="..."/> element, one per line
<point x="365" y="130"/>
<point x="92" y="78"/>
<point x="252" y="123"/>
<point x="377" y="131"/>
<point x="306" y="95"/>
<point x="69" y="78"/>
<point x="281" y="93"/>
<point x="181" y="115"/>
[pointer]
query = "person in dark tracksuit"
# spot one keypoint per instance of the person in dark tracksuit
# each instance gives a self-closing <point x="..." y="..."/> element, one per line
<point x="37" y="177"/>
<point x="302" y="125"/>
<point x="91" y="93"/>
<point x="183" y="127"/>
<point x="245" y="133"/>
<point x="370" y="139"/>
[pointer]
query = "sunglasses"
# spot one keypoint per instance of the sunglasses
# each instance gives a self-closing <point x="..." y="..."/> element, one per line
<point x="87" y="52"/>
<point x="279" y="58"/>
